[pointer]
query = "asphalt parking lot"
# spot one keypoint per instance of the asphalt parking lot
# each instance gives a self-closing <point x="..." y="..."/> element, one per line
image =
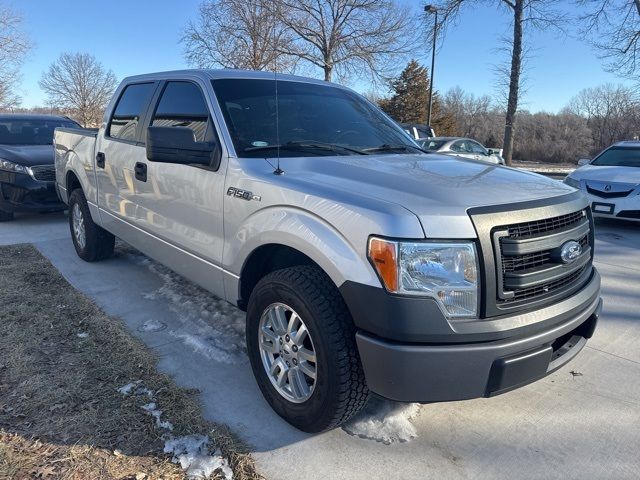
<point x="581" y="422"/>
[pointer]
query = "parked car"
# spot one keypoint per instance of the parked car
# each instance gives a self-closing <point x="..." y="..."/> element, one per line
<point x="27" y="172"/>
<point x="364" y="264"/>
<point x="611" y="181"/>
<point x="462" y="147"/>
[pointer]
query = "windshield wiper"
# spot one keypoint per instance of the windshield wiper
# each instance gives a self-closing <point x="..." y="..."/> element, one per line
<point x="389" y="148"/>
<point x="302" y="145"/>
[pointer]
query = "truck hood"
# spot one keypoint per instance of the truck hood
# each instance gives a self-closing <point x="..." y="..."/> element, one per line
<point x="28" y="155"/>
<point x="438" y="189"/>
<point x="607" y="174"/>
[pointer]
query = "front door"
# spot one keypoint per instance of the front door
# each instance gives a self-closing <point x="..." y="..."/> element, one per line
<point x="178" y="203"/>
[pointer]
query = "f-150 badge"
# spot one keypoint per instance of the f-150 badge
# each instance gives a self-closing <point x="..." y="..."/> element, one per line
<point x="243" y="194"/>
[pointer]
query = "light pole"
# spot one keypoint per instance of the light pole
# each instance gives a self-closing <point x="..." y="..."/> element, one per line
<point x="434" y="10"/>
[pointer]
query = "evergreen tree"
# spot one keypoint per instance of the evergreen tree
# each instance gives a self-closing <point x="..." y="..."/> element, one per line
<point x="409" y="101"/>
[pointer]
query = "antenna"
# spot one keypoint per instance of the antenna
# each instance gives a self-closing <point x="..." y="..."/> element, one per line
<point x="278" y="170"/>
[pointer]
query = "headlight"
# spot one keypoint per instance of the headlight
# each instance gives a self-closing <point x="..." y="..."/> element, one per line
<point x="447" y="272"/>
<point x="12" y="167"/>
<point x="572" y="182"/>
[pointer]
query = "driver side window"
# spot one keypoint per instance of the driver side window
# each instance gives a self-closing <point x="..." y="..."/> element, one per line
<point x="182" y="104"/>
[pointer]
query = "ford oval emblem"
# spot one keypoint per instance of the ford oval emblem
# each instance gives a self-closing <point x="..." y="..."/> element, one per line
<point x="570" y="251"/>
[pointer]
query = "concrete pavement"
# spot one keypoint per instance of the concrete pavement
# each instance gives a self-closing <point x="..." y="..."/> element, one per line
<point x="584" y="424"/>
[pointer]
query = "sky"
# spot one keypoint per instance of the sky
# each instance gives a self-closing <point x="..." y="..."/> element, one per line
<point x="141" y="36"/>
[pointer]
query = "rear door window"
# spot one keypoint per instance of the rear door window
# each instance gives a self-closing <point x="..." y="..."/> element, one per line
<point x="130" y="107"/>
<point x="182" y="104"/>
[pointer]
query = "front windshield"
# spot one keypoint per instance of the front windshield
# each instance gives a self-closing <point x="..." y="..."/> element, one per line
<point x="619" y="157"/>
<point x="30" y="132"/>
<point x="311" y="119"/>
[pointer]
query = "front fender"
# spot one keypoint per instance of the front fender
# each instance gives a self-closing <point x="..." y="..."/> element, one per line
<point x="305" y="232"/>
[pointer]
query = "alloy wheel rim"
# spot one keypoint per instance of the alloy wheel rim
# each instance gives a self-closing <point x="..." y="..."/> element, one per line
<point x="78" y="226"/>
<point x="287" y="352"/>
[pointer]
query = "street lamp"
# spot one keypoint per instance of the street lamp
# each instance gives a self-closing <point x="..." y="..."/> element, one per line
<point x="434" y="10"/>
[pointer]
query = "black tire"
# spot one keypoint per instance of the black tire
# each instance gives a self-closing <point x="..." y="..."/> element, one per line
<point x="98" y="242"/>
<point x="6" y="216"/>
<point x="340" y="389"/>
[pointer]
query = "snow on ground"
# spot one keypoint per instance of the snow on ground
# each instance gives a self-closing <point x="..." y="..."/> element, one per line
<point x="384" y="421"/>
<point x="151" y="409"/>
<point x="192" y="452"/>
<point x="152" y="326"/>
<point x="135" y="388"/>
<point x="209" y="325"/>
<point x="82" y="335"/>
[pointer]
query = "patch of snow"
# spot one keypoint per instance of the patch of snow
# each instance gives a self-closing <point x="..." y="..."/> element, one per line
<point x="209" y="325"/>
<point x="384" y="421"/>
<point x="152" y="326"/>
<point x="135" y="388"/>
<point x="82" y="335"/>
<point x="151" y="409"/>
<point x="204" y="346"/>
<point x="192" y="453"/>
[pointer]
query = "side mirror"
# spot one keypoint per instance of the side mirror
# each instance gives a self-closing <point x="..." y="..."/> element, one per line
<point x="583" y="161"/>
<point x="178" y="145"/>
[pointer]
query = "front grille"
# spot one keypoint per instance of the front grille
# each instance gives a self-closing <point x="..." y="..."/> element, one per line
<point x="529" y="260"/>
<point x="44" y="173"/>
<point x="546" y="288"/>
<point x="605" y="194"/>
<point x="539" y="227"/>
<point x="532" y="260"/>
<point x="521" y="248"/>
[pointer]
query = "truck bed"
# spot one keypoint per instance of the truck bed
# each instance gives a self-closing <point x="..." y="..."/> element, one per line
<point x="75" y="151"/>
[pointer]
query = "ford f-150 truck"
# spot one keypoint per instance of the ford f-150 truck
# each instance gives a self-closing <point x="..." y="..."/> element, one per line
<point x="365" y="264"/>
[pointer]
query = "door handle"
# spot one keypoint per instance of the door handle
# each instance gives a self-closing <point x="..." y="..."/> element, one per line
<point x="100" y="159"/>
<point x="141" y="171"/>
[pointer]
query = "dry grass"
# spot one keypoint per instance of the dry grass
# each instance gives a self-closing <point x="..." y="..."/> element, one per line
<point x="61" y="415"/>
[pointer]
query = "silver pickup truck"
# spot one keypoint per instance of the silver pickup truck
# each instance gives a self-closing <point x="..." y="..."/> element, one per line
<point x="365" y="264"/>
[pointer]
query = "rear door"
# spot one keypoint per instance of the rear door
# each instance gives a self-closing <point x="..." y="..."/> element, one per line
<point x="180" y="203"/>
<point x="117" y="154"/>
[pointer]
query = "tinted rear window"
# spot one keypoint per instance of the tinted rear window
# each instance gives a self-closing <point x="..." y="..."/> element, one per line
<point x="130" y="107"/>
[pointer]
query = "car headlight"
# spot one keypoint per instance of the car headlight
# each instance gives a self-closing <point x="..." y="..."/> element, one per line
<point x="572" y="182"/>
<point x="445" y="271"/>
<point x="12" y="167"/>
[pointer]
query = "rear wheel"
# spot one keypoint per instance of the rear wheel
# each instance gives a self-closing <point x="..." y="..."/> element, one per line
<point x="301" y="343"/>
<point x="92" y="242"/>
<point x="6" y="216"/>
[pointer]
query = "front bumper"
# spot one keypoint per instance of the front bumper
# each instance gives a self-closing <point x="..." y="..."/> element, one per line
<point x="623" y="208"/>
<point x="476" y="366"/>
<point x="21" y="193"/>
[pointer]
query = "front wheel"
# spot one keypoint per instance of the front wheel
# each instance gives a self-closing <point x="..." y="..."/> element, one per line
<point x="92" y="242"/>
<point x="301" y="343"/>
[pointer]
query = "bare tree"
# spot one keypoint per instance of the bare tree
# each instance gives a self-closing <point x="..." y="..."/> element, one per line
<point x="14" y="45"/>
<point x="352" y="38"/>
<point x="612" y="113"/>
<point x="79" y="85"/>
<point x="613" y="28"/>
<point x="474" y="117"/>
<point x="237" y="34"/>
<point x="539" y="14"/>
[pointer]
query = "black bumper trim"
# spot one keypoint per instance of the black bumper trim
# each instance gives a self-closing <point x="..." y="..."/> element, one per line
<point x="433" y="373"/>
